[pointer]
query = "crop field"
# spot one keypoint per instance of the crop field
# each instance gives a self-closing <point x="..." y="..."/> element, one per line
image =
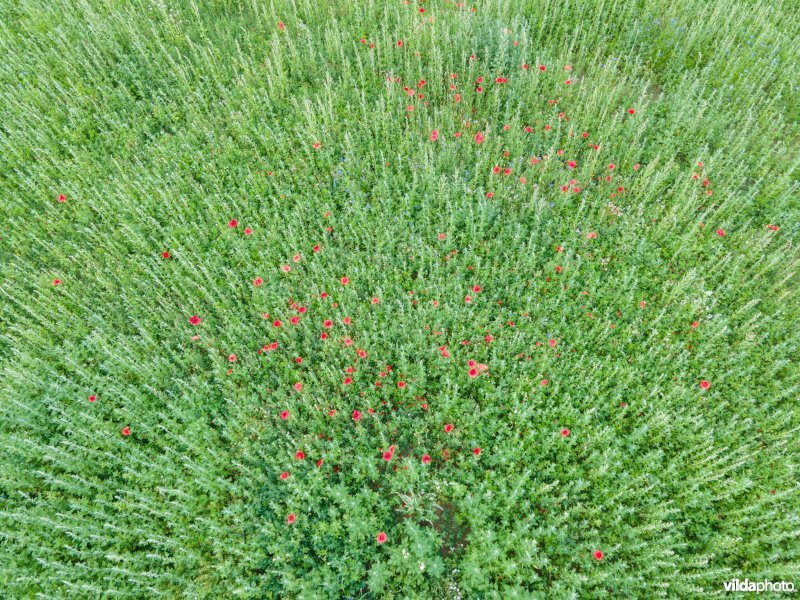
<point x="399" y="299"/>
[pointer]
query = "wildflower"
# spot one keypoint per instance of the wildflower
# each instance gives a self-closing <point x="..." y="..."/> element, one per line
<point x="165" y="254"/>
<point x="598" y="554"/>
<point x="126" y="430"/>
<point x="284" y="415"/>
<point x="232" y="223"/>
<point x="476" y="451"/>
<point x="258" y="281"/>
<point x="194" y="320"/>
<point x="62" y="198"/>
<point x="479" y="138"/>
<point x="299" y="455"/>
<point x="382" y="537"/>
<point x="232" y="358"/>
<point x="564" y="432"/>
<point x="291" y="518"/>
<point x="285" y="475"/>
<point x="356" y="415"/>
<point x="704" y="385"/>
<point x="92" y="398"/>
<point x="426" y="459"/>
<point x="448" y="428"/>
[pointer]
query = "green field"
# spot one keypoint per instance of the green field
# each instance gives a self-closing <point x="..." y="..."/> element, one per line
<point x="328" y="299"/>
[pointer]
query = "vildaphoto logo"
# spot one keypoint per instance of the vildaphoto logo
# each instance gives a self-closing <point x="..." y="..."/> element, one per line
<point x="745" y="585"/>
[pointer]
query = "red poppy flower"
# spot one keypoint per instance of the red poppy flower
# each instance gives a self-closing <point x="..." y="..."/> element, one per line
<point x="258" y="281"/>
<point x="316" y="145"/>
<point x="276" y="323"/>
<point x="542" y="68"/>
<point x="298" y="386"/>
<point x="291" y="518"/>
<point x="448" y="428"/>
<point x="284" y="414"/>
<point x="473" y="372"/>
<point x="232" y="223"/>
<point x="285" y="475"/>
<point x="598" y="554"/>
<point x="434" y="135"/>
<point x="476" y="451"/>
<point x="126" y="430"/>
<point x="382" y="537"/>
<point x="348" y="380"/>
<point x="375" y="300"/>
<point x="695" y="324"/>
<point x="356" y="415"/>
<point x="631" y="111"/>
<point x="399" y="43"/>
<point x="479" y="138"/>
<point x="92" y="398"/>
<point x="705" y="384"/>
<point x="721" y="232"/>
<point x="165" y="254"/>
<point x="232" y="358"/>
<point x="195" y="320"/>
<point x="56" y="282"/>
<point x="387" y="456"/>
<point x="401" y="384"/>
<point x="344" y="280"/>
<point x="426" y="459"/>
<point x="299" y="455"/>
<point x="564" y="432"/>
<point x="62" y="198"/>
<point x="248" y="231"/>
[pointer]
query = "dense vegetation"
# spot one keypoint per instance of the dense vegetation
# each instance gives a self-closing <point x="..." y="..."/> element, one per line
<point x="316" y="298"/>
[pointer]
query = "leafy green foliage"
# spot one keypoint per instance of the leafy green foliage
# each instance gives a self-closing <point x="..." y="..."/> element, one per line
<point x="560" y="317"/>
